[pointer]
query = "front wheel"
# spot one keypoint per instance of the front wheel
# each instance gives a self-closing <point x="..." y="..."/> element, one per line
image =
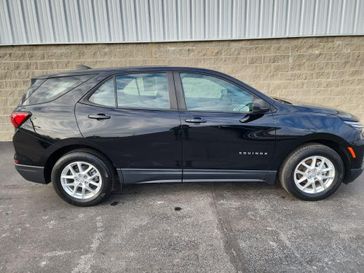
<point x="312" y="172"/>
<point x="82" y="178"/>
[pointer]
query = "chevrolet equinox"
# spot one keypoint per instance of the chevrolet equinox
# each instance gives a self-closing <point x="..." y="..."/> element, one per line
<point x="88" y="129"/>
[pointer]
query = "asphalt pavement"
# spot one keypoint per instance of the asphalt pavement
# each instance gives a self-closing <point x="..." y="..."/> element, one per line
<point x="206" y="227"/>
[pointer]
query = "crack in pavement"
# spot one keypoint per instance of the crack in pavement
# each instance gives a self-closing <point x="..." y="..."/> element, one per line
<point x="231" y="245"/>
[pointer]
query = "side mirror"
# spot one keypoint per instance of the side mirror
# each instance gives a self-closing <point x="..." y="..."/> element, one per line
<point x="260" y="106"/>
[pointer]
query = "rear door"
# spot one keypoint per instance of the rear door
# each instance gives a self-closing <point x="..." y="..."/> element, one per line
<point x="223" y="139"/>
<point x="133" y="118"/>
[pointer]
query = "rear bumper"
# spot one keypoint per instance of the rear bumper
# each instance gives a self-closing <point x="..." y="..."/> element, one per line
<point x="352" y="175"/>
<point x="31" y="173"/>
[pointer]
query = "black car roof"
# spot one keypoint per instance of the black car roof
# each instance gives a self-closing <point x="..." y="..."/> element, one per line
<point x="124" y="69"/>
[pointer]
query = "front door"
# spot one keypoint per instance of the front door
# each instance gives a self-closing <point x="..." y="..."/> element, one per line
<point x="133" y="118"/>
<point x="223" y="138"/>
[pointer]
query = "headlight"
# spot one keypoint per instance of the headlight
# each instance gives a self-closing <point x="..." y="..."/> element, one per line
<point x="357" y="125"/>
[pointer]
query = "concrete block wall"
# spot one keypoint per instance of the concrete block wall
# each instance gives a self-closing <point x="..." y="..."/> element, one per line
<point x="325" y="71"/>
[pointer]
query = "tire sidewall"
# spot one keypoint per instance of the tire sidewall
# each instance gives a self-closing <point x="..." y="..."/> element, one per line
<point x="297" y="157"/>
<point x="89" y="158"/>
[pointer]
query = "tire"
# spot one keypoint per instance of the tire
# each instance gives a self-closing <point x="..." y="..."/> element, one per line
<point x="92" y="187"/>
<point x="329" y="169"/>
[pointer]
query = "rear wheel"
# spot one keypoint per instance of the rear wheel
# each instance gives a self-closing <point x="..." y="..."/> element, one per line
<point x="312" y="172"/>
<point x="82" y="178"/>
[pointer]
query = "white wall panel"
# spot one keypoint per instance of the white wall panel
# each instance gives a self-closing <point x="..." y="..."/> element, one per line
<point x="125" y="21"/>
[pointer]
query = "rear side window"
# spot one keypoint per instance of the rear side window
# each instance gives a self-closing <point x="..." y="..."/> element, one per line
<point x="148" y="91"/>
<point x="49" y="89"/>
<point x="140" y="91"/>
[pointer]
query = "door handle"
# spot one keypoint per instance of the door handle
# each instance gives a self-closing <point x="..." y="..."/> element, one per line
<point x="99" y="116"/>
<point x="195" y="120"/>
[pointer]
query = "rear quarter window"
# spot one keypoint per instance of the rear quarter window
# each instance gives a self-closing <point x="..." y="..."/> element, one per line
<point x="49" y="89"/>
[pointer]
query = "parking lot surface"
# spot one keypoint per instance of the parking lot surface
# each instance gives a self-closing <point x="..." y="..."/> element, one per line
<point x="207" y="227"/>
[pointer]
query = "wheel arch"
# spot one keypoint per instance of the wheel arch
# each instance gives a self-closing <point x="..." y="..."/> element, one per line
<point x="334" y="142"/>
<point x="57" y="153"/>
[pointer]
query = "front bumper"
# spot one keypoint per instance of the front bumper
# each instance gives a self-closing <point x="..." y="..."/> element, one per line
<point x="31" y="173"/>
<point x="352" y="175"/>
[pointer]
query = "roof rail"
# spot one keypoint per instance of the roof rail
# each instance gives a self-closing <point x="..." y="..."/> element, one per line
<point x="82" y="67"/>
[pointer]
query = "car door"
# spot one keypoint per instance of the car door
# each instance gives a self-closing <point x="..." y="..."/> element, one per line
<point x="133" y="119"/>
<point x="228" y="131"/>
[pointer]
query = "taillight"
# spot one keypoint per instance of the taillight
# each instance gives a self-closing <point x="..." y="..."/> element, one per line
<point x="18" y="118"/>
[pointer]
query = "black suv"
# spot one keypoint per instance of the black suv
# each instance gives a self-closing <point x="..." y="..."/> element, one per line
<point x="87" y="129"/>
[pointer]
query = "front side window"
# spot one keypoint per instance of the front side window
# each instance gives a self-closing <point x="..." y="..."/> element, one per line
<point x="148" y="91"/>
<point x="208" y="93"/>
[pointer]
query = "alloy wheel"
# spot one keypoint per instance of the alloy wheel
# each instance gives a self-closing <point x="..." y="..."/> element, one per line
<point x="314" y="174"/>
<point x="81" y="180"/>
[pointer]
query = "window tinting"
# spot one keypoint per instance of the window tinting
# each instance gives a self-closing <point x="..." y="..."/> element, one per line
<point x="146" y="91"/>
<point x="51" y="88"/>
<point x="207" y="93"/>
<point x="105" y="94"/>
<point x="35" y="84"/>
